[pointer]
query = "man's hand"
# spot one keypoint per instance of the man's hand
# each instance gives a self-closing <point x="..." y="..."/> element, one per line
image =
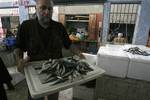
<point x="81" y="56"/>
<point x="21" y="64"/>
<point x="76" y="51"/>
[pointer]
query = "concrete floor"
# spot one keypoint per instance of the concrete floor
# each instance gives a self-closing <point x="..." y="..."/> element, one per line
<point x="21" y="93"/>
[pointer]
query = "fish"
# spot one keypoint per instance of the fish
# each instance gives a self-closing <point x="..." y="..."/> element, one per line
<point x="61" y="70"/>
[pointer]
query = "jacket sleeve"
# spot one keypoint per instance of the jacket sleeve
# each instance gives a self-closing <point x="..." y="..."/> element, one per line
<point x="22" y="39"/>
<point x="66" y="41"/>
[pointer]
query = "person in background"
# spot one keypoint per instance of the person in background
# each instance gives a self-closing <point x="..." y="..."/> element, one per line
<point x="9" y="33"/>
<point x="42" y="39"/>
<point x="9" y="39"/>
<point x="120" y="39"/>
<point x="14" y="33"/>
<point x="5" y="78"/>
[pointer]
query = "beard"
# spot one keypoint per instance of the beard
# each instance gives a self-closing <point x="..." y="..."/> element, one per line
<point x="44" y="19"/>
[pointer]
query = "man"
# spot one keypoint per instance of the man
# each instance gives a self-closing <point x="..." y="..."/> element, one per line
<point x="120" y="39"/>
<point x="42" y="38"/>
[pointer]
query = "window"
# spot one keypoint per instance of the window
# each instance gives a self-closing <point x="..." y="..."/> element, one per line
<point x="122" y="20"/>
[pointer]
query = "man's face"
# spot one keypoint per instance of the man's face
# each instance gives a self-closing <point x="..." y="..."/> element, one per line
<point x="44" y="11"/>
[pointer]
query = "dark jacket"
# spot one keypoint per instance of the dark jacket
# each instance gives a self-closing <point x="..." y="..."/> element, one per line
<point x="4" y="74"/>
<point x="40" y="43"/>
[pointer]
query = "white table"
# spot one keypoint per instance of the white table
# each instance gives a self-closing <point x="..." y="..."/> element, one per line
<point x="37" y="89"/>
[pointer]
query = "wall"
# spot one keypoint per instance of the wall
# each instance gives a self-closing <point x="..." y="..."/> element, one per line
<point x="105" y="22"/>
<point x="81" y="9"/>
<point x="143" y="24"/>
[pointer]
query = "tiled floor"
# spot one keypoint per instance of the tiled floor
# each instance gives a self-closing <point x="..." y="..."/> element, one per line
<point x="110" y="88"/>
<point x="21" y="92"/>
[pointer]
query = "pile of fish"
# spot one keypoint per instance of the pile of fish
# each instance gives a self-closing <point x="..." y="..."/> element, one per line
<point x="60" y="70"/>
<point x="137" y="50"/>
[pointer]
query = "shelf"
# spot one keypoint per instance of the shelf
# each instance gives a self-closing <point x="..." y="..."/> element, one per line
<point x="86" y="41"/>
<point x="86" y="23"/>
<point x="77" y="18"/>
<point x="77" y="21"/>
